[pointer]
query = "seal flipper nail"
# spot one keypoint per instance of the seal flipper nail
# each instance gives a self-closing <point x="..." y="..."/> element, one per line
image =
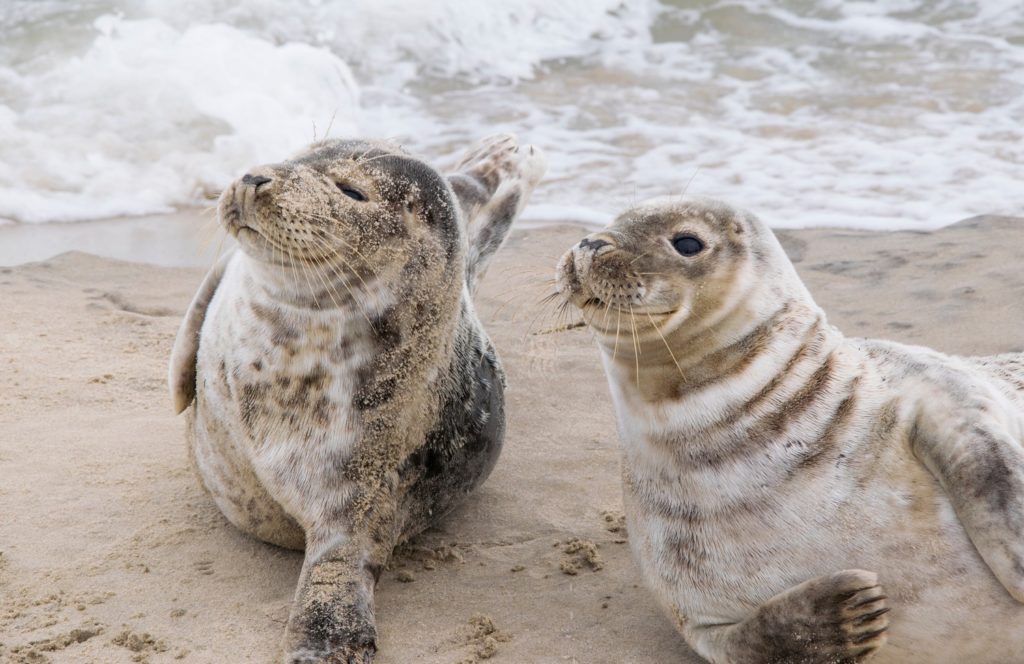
<point x="344" y="392"/>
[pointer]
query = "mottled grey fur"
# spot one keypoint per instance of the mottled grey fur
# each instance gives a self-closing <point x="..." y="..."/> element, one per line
<point x="346" y="396"/>
<point x="786" y="486"/>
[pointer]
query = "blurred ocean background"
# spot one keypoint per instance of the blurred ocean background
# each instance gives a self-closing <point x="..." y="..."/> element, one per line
<point x="878" y="115"/>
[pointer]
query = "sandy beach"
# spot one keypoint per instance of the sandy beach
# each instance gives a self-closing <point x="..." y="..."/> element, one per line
<point x="111" y="552"/>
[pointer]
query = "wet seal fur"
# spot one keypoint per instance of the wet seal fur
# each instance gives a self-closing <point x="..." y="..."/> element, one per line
<point x="786" y="486"/>
<point x="345" y="394"/>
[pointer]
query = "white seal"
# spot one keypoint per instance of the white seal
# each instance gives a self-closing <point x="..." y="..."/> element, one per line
<point x="793" y="495"/>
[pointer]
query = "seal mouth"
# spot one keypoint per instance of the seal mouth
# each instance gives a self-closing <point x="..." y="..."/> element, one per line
<point x="242" y="228"/>
<point x="594" y="305"/>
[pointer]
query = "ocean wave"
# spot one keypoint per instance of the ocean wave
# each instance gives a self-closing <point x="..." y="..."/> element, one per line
<point x="902" y="114"/>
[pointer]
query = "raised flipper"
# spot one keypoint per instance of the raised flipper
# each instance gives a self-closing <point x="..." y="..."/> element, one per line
<point x="976" y="453"/>
<point x="181" y="375"/>
<point x="840" y="618"/>
<point x="493" y="182"/>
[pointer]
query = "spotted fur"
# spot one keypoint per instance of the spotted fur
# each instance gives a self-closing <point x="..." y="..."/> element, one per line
<point x="345" y="394"/>
<point x="787" y="486"/>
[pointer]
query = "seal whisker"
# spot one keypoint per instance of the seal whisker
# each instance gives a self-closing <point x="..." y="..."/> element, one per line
<point x="575" y="325"/>
<point x="304" y="268"/>
<point x="636" y="345"/>
<point x="667" y="346"/>
<point x="505" y="302"/>
<point x="686" y="186"/>
<point x="550" y="297"/>
<point x="618" y="322"/>
<point x="337" y="238"/>
<point x="322" y="277"/>
<point x="552" y="307"/>
<point x="528" y="272"/>
<point x="330" y="251"/>
<point x="548" y="303"/>
<point x="546" y="311"/>
<point x="607" y="312"/>
<point x="211" y="234"/>
<point x="356" y="301"/>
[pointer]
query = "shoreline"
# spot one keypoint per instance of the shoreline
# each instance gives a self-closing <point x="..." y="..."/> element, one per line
<point x="190" y="237"/>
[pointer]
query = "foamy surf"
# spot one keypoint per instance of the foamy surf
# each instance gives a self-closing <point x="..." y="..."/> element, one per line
<point x="906" y="115"/>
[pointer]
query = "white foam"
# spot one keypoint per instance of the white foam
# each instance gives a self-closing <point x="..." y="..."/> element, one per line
<point x="904" y="114"/>
<point x="398" y="40"/>
<point x="151" y="117"/>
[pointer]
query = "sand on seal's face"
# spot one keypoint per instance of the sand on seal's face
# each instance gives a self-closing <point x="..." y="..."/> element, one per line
<point x="103" y="522"/>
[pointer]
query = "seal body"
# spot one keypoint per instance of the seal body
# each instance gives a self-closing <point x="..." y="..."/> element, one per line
<point x="793" y="495"/>
<point x="345" y="394"/>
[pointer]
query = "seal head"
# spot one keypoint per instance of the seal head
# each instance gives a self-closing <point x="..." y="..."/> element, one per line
<point x="672" y="263"/>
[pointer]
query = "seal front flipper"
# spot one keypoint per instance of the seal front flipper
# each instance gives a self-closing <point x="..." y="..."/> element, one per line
<point x="332" y="618"/>
<point x="181" y="375"/>
<point x="980" y="465"/>
<point x="840" y="618"/>
<point x="493" y="181"/>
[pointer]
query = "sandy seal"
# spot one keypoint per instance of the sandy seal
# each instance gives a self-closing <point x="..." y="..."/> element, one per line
<point x="786" y="486"/>
<point x="345" y="394"/>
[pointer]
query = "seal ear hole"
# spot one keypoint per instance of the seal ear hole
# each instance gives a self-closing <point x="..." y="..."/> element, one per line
<point x="688" y="244"/>
<point x="354" y="194"/>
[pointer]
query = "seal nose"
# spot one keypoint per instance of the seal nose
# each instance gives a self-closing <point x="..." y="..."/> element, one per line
<point x="254" y="180"/>
<point x="593" y="245"/>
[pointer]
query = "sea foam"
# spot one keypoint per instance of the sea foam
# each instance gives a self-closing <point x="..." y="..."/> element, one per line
<point x="904" y="114"/>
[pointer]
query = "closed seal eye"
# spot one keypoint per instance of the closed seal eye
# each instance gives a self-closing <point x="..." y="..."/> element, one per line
<point x="354" y="194"/>
<point x="688" y="245"/>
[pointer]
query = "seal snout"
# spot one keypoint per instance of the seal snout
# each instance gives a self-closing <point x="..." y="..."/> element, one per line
<point x="575" y="278"/>
<point x="593" y="245"/>
<point x="254" y="180"/>
<point x="588" y="249"/>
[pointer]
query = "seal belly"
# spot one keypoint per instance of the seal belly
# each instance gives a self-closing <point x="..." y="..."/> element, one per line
<point x="228" y="477"/>
<point x="218" y="452"/>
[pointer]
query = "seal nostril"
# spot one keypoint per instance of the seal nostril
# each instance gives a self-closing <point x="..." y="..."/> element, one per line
<point x="254" y="180"/>
<point x="593" y="244"/>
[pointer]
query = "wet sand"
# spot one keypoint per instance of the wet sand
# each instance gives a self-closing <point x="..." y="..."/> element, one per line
<point x="111" y="552"/>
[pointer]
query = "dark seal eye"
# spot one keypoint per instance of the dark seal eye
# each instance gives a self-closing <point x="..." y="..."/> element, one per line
<point x="354" y="194"/>
<point x="688" y="245"/>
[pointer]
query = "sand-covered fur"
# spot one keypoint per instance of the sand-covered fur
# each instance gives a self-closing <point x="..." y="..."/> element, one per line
<point x="345" y="394"/>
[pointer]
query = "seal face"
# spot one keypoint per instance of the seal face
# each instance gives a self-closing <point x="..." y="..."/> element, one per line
<point x="793" y="495"/>
<point x="345" y="394"/>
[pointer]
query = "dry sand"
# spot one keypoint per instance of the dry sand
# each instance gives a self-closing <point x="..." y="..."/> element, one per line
<point x="112" y="553"/>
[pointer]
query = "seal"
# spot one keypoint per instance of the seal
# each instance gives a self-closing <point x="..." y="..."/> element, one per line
<point x="343" y="393"/>
<point x="793" y="495"/>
